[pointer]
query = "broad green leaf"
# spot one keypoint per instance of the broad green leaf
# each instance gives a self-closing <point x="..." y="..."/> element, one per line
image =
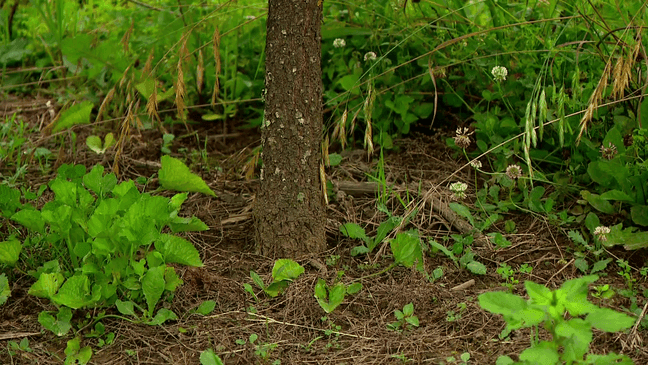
<point x="359" y="250"/>
<point x="502" y="303"/>
<point x="329" y="297"/>
<point x="31" y="219"/>
<point x="153" y="286"/>
<point x="47" y="285"/>
<point x="608" y="359"/>
<point x="476" y="267"/>
<point x="176" y="201"/>
<point x="77" y="293"/>
<point x="597" y="202"/>
<point x="76" y="114"/>
<point x="276" y="287"/>
<point x="10" y="252"/>
<point x="616" y="195"/>
<point x="354" y="288"/>
<point x="257" y="279"/>
<point x="5" y="289"/>
<point x="175" y="175"/>
<point x="193" y="224"/>
<point x="178" y="250"/>
<point x="406" y="248"/>
<point x="600" y="265"/>
<point x="414" y="321"/>
<point x="75" y="354"/>
<point x="408" y="309"/>
<point x="206" y="307"/>
<point x="442" y="248"/>
<point x="353" y="230"/>
<point x="59" y="325"/>
<point x="348" y="82"/>
<point x="539" y="294"/>
<point x="97" y="182"/>
<point x="609" y="320"/>
<point x="286" y="269"/>
<point x="639" y="214"/>
<point x="97" y="145"/>
<point x="578" y="335"/>
<point x="126" y="308"/>
<point x="463" y="211"/>
<point x="171" y="279"/>
<point x="208" y="357"/>
<point x="162" y="316"/>
<point x="335" y="159"/>
<point x="383" y="230"/>
<point x="544" y="353"/>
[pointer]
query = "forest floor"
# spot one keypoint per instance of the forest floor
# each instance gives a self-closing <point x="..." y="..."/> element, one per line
<point x="292" y="327"/>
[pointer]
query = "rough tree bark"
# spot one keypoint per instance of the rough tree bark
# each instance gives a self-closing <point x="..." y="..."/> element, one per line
<point x="289" y="211"/>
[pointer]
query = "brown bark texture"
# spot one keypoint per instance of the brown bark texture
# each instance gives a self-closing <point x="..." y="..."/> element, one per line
<point x="289" y="210"/>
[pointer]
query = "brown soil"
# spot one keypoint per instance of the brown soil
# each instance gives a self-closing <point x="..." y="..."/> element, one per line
<point x="293" y="324"/>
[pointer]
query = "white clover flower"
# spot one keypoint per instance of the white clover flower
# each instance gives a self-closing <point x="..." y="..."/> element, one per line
<point x="250" y="17"/>
<point x="339" y="43"/>
<point x="499" y="73"/>
<point x="476" y="164"/>
<point x="514" y="172"/>
<point x="370" y="56"/>
<point x="459" y="189"/>
<point x="601" y="233"/>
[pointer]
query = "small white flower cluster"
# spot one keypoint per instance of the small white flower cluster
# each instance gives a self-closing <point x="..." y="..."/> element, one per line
<point x="601" y="233"/>
<point x="476" y="164"/>
<point x="499" y="73"/>
<point x="339" y="43"/>
<point x="459" y="189"/>
<point x="370" y="56"/>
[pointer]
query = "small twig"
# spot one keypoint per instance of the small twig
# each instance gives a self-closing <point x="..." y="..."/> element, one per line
<point x="463" y="286"/>
<point x="11" y="335"/>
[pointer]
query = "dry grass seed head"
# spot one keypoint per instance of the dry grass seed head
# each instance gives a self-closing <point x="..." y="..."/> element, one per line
<point x="106" y="101"/>
<point x="325" y="151"/>
<point x="126" y="38"/>
<point x="152" y="104"/>
<point x="595" y="99"/>
<point x="200" y="72"/>
<point x="147" y="66"/>
<point x="180" y="83"/>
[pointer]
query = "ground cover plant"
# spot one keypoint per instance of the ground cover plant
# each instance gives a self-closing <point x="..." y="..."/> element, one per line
<point x="116" y="116"/>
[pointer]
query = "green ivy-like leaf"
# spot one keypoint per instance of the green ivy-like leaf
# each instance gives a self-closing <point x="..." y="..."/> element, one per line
<point x="206" y="307"/>
<point x="175" y="175"/>
<point x="162" y="316"/>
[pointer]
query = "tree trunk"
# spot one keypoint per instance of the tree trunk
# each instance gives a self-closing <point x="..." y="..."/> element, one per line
<point x="289" y="209"/>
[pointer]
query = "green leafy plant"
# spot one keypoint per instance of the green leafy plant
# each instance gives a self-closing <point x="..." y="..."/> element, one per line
<point x="462" y="360"/>
<point x="571" y="335"/>
<point x="352" y="230"/>
<point x="467" y="260"/>
<point x="74" y="354"/>
<point x="283" y="273"/>
<point x="330" y="297"/>
<point x="98" y="146"/>
<point x="208" y="357"/>
<point x="109" y="245"/>
<point x="13" y="347"/>
<point x="404" y="318"/>
<point x="452" y="316"/>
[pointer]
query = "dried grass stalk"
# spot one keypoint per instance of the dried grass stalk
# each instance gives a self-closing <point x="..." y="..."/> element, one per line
<point x="104" y="103"/>
<point x="217" y="63"/>
<point x="200" y="72"/>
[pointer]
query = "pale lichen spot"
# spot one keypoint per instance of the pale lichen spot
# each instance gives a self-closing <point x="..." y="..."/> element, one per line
<point x="276" y="171"/>
<point x="283" y="31"/>
<point x="305" y="157"/>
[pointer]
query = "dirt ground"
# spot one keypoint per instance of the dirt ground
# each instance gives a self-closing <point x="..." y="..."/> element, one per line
<point x="292" y="327"/>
